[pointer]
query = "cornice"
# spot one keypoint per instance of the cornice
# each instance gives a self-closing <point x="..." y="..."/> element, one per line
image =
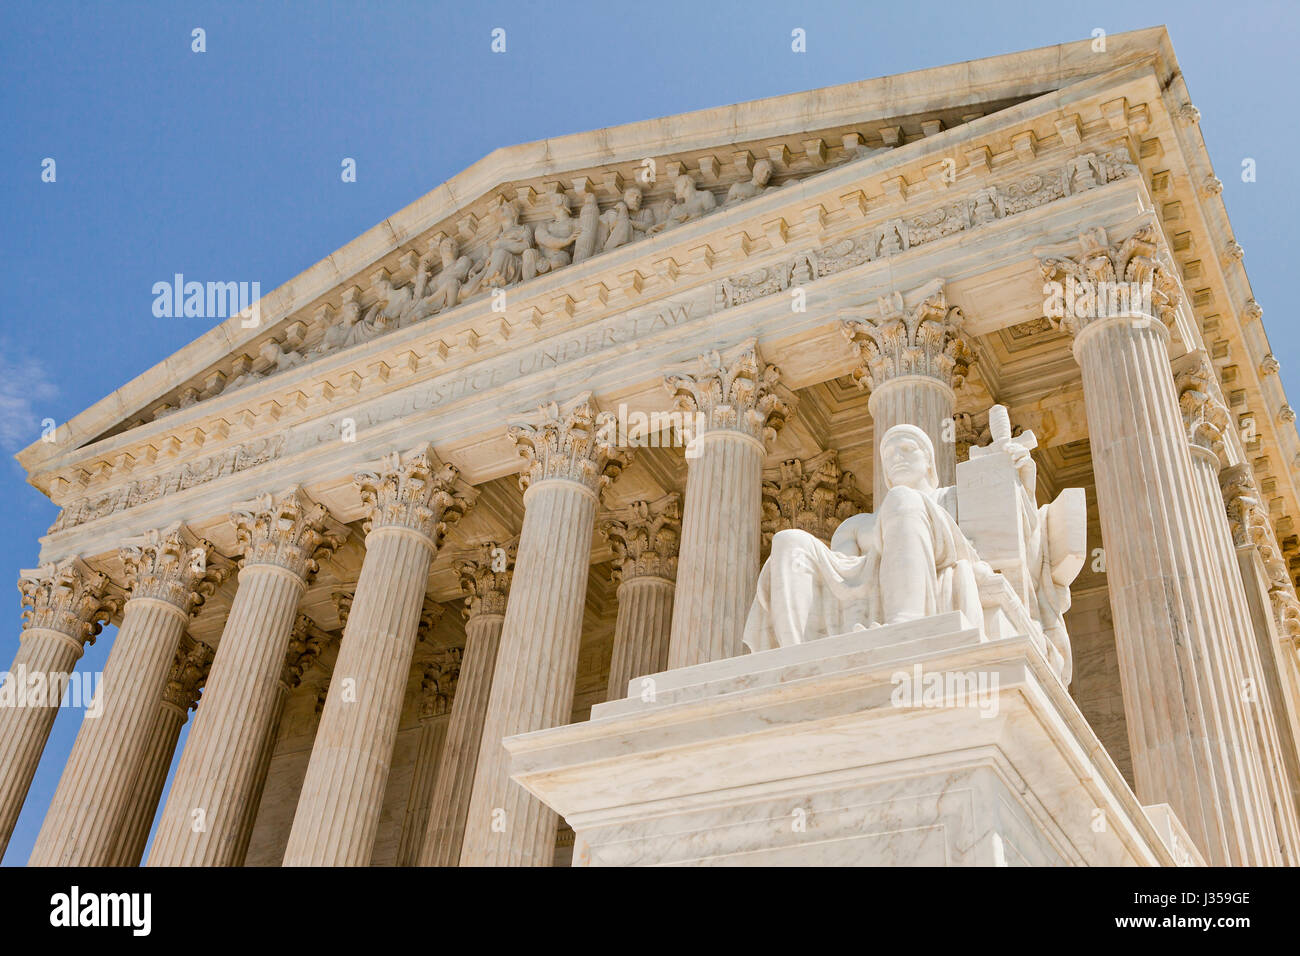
<point x="996" y="79"/>
<point x="700" y="253"/>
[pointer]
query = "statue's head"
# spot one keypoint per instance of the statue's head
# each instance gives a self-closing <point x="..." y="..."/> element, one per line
<point x="762" y="172"/>
<point x="632" y="197"/>
<point x="907" y="455"/>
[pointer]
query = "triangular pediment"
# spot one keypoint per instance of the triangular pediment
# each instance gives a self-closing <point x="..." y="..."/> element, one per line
<point x="343" y="300"/>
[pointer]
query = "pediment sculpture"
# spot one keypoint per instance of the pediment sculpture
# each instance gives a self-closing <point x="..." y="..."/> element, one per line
<point x="983" y="547"/>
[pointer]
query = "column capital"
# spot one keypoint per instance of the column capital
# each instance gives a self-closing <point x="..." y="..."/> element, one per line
<point x="171" y="564"/>
<point x="287" y="530"/>
<point x="69" y="597"/>
<point x="572" y="442"/>
<point x="438" y="685"/>
<point x="430" y="614"/>
<point x="813" y="495"/>
<point x="189" y="672"/>
<point x="1131" y="279"/>
<point x="1205" y="416"/>
<point x="343" y="605"/>
<point x="306" y="641"/>
<point x="732" y="390"/>
<point x="924" y="339"/>
<point x="1249" y="523"/>
<point x="415" y="491"/>
<point x="1286" y="615"/>
<point x="645" y="537"/>
<point x="485" y="573"/>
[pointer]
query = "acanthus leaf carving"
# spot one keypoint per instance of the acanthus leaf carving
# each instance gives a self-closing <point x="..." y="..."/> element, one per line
<point x="645" y="537"/>
<point x="415" y="491"/>
<point x="812" y="494"/>
<point x="924" y="339"/>
<point x="733" y="390"/>
<point x="68" y="597"/>
<point x="1132" y="279"/>
<point x="485" y="572"/>
<point x="575" y="442"/>
<point x="288" y="530"/>
<point x="172" y="565"/>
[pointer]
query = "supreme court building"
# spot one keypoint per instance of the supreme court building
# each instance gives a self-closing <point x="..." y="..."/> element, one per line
<point x="512" y="460"/>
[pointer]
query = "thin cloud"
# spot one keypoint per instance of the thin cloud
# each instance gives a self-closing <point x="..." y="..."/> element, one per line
<point x="25" y="387"/>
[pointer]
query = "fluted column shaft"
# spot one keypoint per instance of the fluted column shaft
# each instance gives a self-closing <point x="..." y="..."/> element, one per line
<point x="1162" y="594"/>
<point x="433" y="734"/>
<point x="63" y="607"/>
<point x="339" y="807"/>
<point x="927" y="403"/>
<point x="641" y="631"/>
<point x="80" y="828"/>
<point x="536" y="668"/>
<point x="218" y="769"/>
<point x="244" y="833"/>
<point x="1260" y="744"/>
<point x="721" y="541"/>
<point x="1274" y="650"/>
<point x="342" y="795"/>
<point x="449" y="803"/>
<point x="1232" y="663"/>
<point x="25" y="729"/>
<point x="151" y="777"/>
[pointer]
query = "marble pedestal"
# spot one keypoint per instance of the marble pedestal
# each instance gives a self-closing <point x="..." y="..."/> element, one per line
<point x="844" y="751"/>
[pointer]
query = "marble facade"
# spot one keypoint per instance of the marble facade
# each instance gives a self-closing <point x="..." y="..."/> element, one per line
<point x="411" y="547"/>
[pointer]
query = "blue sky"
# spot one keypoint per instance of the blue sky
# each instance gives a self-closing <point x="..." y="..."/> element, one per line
<point x="225" y="164"/>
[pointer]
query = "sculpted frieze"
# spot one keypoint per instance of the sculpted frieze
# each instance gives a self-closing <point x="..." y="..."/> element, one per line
<point x="513" y="251"/>
<point x="189" y="475"/>
<point x="484" y="376"/>
<point x="453" y="386"/>
<point x="895" y="236"/>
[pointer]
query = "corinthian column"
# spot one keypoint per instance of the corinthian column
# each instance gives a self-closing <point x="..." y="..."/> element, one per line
<point x="911" y="358"/>
<point x="64" y="607"/>
<point x="485" y="579"/>
<point x="437" y="690"/>
<point x="812" y="495"/>
<point x="184" y="683"/>
<point x="644" y="537"/>
<point x="168" y="575"/>
<point x="1165" y="592"/>
<point x="570" y="458"/>
<point x="284" y="538"/>
<point x="411" y="502"/>
<point x="738" y="408"/>
<point x="1274" y="617"/>
<point x="1249" y="696"/>
<point x="305" y="645"/>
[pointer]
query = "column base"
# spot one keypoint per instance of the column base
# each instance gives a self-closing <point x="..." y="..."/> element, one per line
<point x="924" y="743"/>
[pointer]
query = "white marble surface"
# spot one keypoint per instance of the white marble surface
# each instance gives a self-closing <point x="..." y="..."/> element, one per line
<point x="809" y="755"/>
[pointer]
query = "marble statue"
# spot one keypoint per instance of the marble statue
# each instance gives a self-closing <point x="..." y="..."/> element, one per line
<point x="912" y="559"/>
<point x="626" y="219"/>
<point x="554" y="239"/>
<point x="505" y="263"/>
<point x="589" y="229"/>
<point x="756" y="184"/>
<point x="447" y="285"/>
<point x="692" y="203"/>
